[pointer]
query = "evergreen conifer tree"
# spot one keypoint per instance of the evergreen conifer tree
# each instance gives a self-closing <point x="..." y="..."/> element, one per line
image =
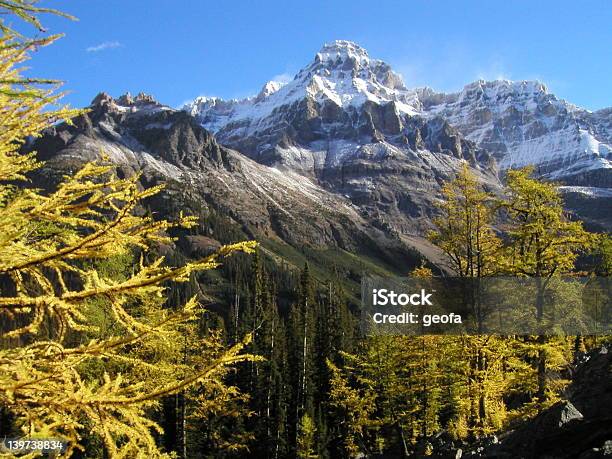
<point x="60" y="372"/>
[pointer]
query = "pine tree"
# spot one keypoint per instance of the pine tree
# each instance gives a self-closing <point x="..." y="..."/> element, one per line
<point x="354" y="411"/>
<point x="603" y="256"/>
<point x="335" y="329"/>
<point x="268" y="391"/>
<point x="544" y="243"/>
<point x="301" y="342"/>
<point x="306" y="438"/>
<point x="464" y="228"/>
<point x="61" y="374"/>
<point x="465" y="233"/>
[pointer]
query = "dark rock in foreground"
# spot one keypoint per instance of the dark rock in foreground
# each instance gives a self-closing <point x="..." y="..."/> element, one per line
<point x="579" y="427"/>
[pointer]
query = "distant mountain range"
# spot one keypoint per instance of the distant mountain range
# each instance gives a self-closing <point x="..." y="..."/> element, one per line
<point x="344" y="100"/>
<point x="344" y="158"/>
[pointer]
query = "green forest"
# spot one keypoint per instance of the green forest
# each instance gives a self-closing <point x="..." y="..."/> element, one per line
<point x="110" y="346"/>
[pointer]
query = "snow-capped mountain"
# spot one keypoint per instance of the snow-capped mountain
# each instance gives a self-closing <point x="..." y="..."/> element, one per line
<point x="348" y="122"/>
<point x="317" y="119"/>
<point x="345" y="103"/>
<point x="282" y="209"/>
<point x="342" y="73"/>
<point x="344" y="156"/>
<point x="521" y="123"/>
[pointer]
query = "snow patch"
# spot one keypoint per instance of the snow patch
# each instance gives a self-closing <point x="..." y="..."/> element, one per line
<point x="588" y="191"/>
<point x="342" y="73"/>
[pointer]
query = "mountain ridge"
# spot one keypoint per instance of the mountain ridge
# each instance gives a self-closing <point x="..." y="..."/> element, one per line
<point x="289" y="213"/>
<point x="356" y="168"/>
<point x="519" y="123"/>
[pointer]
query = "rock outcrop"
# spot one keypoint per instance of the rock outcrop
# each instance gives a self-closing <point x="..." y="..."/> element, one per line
<point x="140" y="135"/>
<point x="344" y="105"/>
<point x="579" y="427"/>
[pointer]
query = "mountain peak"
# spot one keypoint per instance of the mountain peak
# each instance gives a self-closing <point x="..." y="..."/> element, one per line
<point x="348" y="66"/>
<point x="520" y="86"/>
<point x="341" y="74"/>
<point x="342" y="45"/>
<point x="269" y="88"/>
<point x="125" y="100"/>
<point x="342" y="56"/>
<point x="340" y="50"/>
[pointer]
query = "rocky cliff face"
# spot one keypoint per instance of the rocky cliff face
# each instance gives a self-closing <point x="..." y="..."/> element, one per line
<point x="348" y="120"/>
<point x="340" y="102"/>
<point x="521" y="123"/>
<point x="140" y="135"/>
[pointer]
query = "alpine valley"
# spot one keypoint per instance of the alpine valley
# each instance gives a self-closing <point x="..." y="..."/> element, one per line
<point x="343" y="165"/>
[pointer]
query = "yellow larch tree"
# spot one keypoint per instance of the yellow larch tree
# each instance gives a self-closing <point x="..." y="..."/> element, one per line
<point x="61" y="376"/>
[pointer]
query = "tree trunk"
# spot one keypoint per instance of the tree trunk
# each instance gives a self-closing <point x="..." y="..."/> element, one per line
<point x="482" y="407"/>
<point x="180" y="426"/>
<point x="541" y="340"/>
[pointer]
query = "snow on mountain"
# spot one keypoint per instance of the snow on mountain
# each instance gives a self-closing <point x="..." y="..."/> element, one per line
<point x="168" y="146"/>
<point x="348" y="122"/>
<point x="522" y="124"/>
<point x="588" y="191"/>
<point x="340" y="107"/>
<point x="318" y="118"/>
<point x="341" y="73"/>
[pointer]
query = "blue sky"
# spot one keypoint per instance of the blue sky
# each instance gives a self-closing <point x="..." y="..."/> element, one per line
<point x="177" y="50"/>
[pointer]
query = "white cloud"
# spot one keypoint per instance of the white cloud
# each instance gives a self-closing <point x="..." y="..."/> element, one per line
<point x="282" y="78"/>
<point x="495" y="69"/>
<point x="103" y="46"/>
